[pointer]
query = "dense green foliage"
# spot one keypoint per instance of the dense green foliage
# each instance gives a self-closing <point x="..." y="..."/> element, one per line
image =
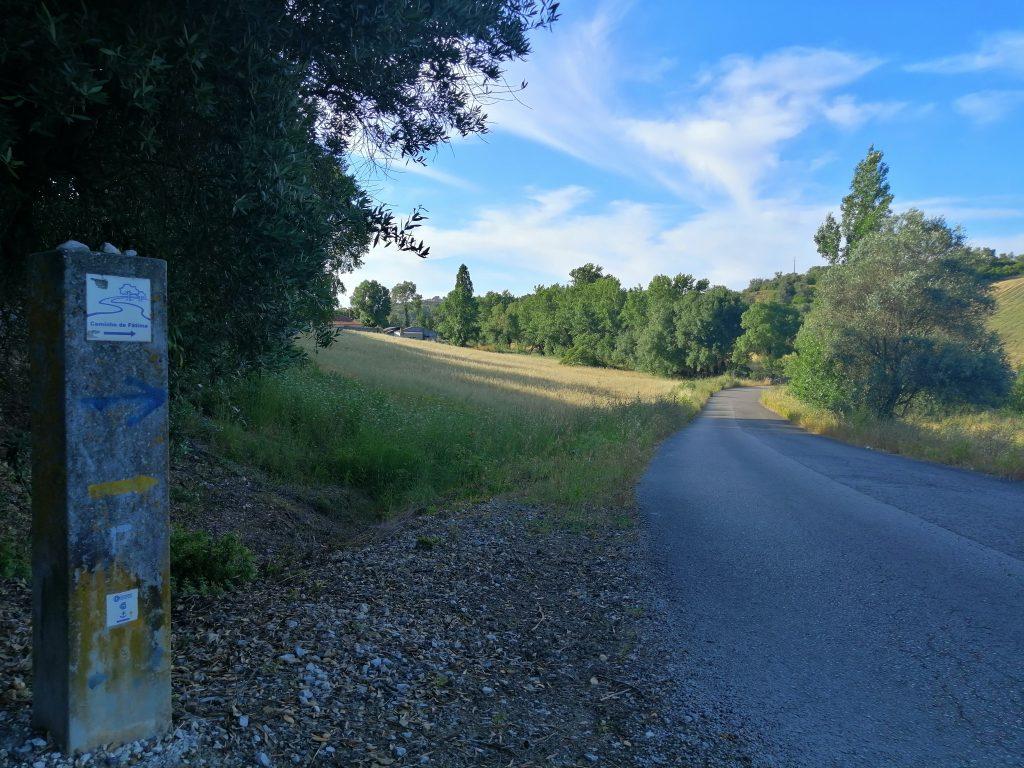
<point x="862" y="211"/>
<point x="456" y="318"/>
<point x="1016" y="399"/>
<point x="770" y="330"/>
<point x="216" y="135"/>
<point x="676" y="326"/>
<point x="903" y="316"/>
<point x="406" y="303"/>
<point x="996" y="267"/>
<point x="371" y="302"/>
<point x="791" y="289"/>
<point x="205" y="564"/>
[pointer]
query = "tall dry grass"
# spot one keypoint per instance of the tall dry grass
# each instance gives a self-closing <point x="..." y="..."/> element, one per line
<point x="989" y="441"/>
<point x="410" y="423"/>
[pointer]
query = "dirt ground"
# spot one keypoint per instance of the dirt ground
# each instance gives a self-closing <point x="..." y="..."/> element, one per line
<point x="487" y="636"/>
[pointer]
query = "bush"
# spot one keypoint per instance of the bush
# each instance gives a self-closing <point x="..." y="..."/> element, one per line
<point x="14" y="560"/>
<point x="1015" y="402"/>
<point x="204" y="564"/>
<point x="813" y="376"/>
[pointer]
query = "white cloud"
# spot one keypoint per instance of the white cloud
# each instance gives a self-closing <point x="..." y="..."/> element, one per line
<point x="551" y="232"/>
<point x="986" y="107"/>
<point x="849" y="114"/>
<point x="723" y="134"/>
<point x="1002" y="51"/>
<point x="958" y="210"/>
<point x="715" y="144"/>
<point x="731" y="138"/>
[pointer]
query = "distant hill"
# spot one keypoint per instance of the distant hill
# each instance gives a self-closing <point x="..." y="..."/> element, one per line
<point x="1009" y="317"/>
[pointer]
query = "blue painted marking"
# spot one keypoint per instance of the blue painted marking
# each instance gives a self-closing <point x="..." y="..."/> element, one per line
<point x="96" y="679"/>
<point x="148" y="397"/>
<point x="118" y="333"/>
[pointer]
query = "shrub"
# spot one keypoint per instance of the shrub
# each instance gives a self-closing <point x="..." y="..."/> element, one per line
<point x="14" y="559"/>
<point x="1016" y="399"/>
<point x="205" y="564"/>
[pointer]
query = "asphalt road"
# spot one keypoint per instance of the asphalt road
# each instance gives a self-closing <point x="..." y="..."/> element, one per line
<point x="851" y="608"/>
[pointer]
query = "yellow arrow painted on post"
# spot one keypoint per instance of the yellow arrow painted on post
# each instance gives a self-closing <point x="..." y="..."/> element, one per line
<point x="137" y="484"/>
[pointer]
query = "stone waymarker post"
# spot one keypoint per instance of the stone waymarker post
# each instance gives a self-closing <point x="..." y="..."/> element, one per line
<point x="100" y="562"/>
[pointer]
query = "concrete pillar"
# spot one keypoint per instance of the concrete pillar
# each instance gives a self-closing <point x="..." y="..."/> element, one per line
<point x="100" y="561"/>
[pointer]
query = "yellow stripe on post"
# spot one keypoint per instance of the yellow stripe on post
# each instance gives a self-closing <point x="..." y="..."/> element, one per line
<point x="137" y="484"/>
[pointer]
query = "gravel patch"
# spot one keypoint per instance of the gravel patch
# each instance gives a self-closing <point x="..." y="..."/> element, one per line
<point x="490" y="637"/>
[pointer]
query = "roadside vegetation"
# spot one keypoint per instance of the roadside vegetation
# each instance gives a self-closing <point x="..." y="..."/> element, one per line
<point x="986" y="440"/>
<point x="903" y="346"/>
<point x="410" y="424"/>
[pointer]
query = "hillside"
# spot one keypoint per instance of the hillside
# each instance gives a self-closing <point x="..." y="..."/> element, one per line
<point x="1009" y="317"/>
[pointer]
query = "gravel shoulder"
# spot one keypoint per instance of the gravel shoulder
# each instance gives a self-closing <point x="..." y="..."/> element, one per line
<point x="491" y="636"/>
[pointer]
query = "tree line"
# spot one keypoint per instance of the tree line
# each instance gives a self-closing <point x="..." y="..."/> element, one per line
<point x="897" y="315"/>
<point x="675" y="326"/>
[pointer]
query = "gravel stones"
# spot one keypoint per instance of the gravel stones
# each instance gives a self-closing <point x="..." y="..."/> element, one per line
<point x="512" y="641"/>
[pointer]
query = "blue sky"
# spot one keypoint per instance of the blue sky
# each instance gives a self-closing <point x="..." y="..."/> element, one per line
<point x="712" y="138"/>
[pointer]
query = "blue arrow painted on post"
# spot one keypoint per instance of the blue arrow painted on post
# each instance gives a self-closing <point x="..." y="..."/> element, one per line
<point x="148" y="397"/>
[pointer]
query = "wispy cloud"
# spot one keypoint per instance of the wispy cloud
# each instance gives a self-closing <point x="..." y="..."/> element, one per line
<point x="375" y="172"/>
<point x="1002" y="51"/>
<point x="722" y="135"/>
<point x="959" y="209"/>
<point x="731" y="138"/>
<point x="713" y="144"/>
<point x="986" y="107"/>
<point x="552" y="231"/>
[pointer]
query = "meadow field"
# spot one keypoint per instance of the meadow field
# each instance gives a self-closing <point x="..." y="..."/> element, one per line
<point x="987" y="440"/>
<point x="1008" y="320"/>
<point x="411" y="423"/>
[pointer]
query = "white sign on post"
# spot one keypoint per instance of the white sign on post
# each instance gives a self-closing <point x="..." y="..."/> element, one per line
<point x="118" y="308"/>
<point x="122" y="607"/>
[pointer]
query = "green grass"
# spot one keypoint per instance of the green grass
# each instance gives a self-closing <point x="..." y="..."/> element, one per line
<point x="413" y="423"/>
<point x="208" y="565"/>
<point x="986" y="440"/>
<point x="1008" y="321"/>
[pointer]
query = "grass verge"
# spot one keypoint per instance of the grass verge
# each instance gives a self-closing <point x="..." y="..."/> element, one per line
<point x="989" y="441"/>
<point x="412" y="423"/>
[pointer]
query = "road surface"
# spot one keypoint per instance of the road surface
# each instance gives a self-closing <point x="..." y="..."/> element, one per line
<point x="853" y="608"/>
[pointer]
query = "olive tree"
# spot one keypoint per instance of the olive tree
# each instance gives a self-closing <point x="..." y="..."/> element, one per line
<point x="902" y="318"/>
<point x="217" y="136"/>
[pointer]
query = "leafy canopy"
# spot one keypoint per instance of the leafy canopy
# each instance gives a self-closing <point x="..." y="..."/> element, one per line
<point x="457" y="315"/>
<point x="403" y="298"/>
<point x="903" y="317"/>
<point x="769" y="330"/>
<point x="863" y="211"/>
<point x="217" y="135"/>
<point x="372" y="302"/>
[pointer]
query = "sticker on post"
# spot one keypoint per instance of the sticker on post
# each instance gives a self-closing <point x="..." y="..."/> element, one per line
<point x="122" y="608"/>
<point x="118" y="308"/>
